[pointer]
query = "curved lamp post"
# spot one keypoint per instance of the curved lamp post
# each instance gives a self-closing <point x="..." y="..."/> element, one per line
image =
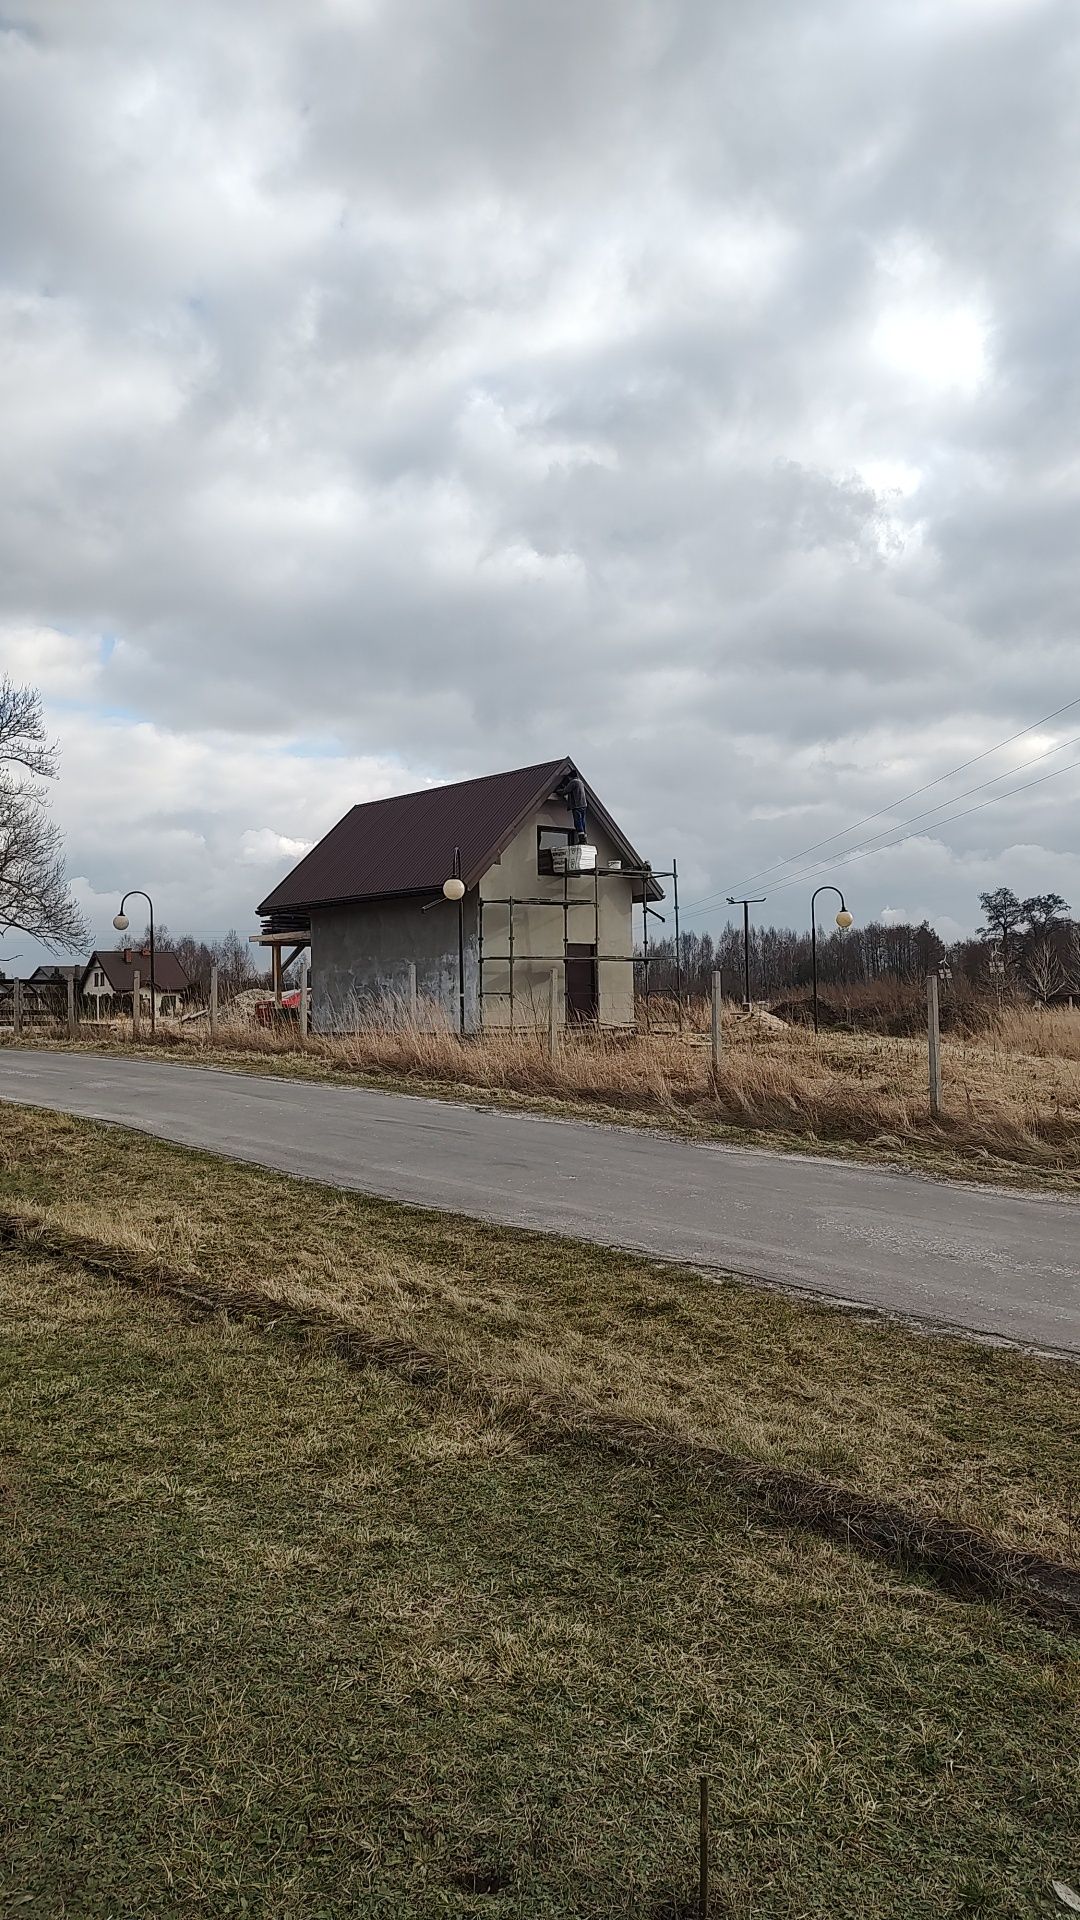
<point x="843" y="920"/>
<point x="122" y="923"/>
<point x="454" y="889"/>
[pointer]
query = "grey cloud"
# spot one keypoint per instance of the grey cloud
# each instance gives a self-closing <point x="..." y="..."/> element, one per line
<point x="464" y="384"/>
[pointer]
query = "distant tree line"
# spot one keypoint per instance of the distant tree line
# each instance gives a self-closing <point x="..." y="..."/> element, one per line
<point x="1035" y="940"/>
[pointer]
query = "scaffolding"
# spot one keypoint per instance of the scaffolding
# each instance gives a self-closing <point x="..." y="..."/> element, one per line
<point x="511" y="958"/>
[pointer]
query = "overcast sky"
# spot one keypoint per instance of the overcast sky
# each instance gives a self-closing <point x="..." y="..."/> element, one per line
<point x="395" y="390"/>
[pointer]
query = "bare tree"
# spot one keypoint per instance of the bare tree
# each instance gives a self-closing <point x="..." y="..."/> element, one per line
<point x="34" y="895"/>
<point x="1042" y="970"/>
<point x="1071" y="957"/>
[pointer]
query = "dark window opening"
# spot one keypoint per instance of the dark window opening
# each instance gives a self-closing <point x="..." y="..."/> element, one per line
<point x="547" y="840"/>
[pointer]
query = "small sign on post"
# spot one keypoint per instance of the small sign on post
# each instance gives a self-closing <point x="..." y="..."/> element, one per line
<point x="136" y="1005"/>
<point x="933" y="1030"/>
<point x="213" y="1002"/>
<point x="717" y="1018"/>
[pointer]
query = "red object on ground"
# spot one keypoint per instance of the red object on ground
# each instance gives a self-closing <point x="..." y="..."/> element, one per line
<point x="267" y="1011"/>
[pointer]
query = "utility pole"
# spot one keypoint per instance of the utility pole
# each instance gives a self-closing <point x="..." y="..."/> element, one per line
<point x="757" y="901"/>
<point x="717" y="1020"/>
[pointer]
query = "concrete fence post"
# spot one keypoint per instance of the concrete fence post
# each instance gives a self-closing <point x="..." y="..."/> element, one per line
<point x="553" y="1012"/>
<point x="412" y="993"/>
<point x="305" y="1000"/>
<point x="213" y="1002"/>
<point x="933" y="1033"/>
<point x="136" y="1004"/>
<point x="16" y="1007"/>
<point x="71" y="1010"/>
<point x="717" y="1020"/>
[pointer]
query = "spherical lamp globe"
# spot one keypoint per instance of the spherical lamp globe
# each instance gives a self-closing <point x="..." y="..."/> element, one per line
<point x="843" y="919"/>
<point x="454" y="889"/>
<point x="121" y="922"/>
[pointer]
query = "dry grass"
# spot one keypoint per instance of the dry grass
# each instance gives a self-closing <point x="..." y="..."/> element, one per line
<point x="963" y="1559"/>
<point x="981" y="1437"/>
<point x="286" y="1636"/>
<point x="1012" y="1093"/>
<point x="285" y="1640"/>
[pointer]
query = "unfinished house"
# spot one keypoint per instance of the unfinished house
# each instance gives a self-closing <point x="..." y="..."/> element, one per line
<point x="548" y="890"/>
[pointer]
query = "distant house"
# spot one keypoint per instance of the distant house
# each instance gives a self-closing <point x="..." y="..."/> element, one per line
<point x="107" y="981"/>
<point x="54" y="975"/>
<point x="539" y="900"/>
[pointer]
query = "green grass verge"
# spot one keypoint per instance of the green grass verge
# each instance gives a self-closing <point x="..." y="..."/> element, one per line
<point x="289" y="1639"/>
<point x="982" y="1435"/>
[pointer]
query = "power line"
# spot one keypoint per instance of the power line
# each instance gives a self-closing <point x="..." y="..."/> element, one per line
<point x="928" y="812"/>
<point x="829" y="866"/>
<point x="927" y="787"/>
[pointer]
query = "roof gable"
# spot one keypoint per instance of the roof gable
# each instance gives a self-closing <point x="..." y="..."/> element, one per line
<point x="406" y="843"/>
<point x="119" y="970"/>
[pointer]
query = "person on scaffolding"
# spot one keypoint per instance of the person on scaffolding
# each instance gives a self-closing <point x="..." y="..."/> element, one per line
<point x="577" y="801"/>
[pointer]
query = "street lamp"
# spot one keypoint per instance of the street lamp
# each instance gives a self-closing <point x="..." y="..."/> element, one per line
<point x="122" y="923"/>
<point x="843" y="921"/>
<point x="454" y="889"/>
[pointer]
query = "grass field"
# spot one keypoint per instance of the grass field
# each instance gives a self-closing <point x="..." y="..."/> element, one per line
<point x="302" y="1625"/>
<point x="1012" y="1089"/>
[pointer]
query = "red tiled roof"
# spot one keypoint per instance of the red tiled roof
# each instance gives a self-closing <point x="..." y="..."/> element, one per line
<point x="405" y="844"/>
<point x="119" y="967"/>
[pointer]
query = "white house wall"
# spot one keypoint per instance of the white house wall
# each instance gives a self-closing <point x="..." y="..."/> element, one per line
<point x="539" y="930"/>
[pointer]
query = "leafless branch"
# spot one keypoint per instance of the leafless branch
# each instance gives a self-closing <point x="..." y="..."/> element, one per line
<point x="23" y="741"/>
<point x="34" y="895"/>
<point x="1043" y="970"/>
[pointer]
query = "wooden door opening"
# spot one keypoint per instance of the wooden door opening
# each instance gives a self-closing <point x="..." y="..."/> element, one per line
<point x="582" y="1002"/>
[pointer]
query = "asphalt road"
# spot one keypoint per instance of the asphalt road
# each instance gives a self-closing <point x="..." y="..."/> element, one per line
<point x="1004" y="1264"/>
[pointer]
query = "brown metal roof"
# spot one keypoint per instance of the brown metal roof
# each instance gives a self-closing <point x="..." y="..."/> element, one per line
<point x="405" y="844"/>
<point x="120" y="966"/>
